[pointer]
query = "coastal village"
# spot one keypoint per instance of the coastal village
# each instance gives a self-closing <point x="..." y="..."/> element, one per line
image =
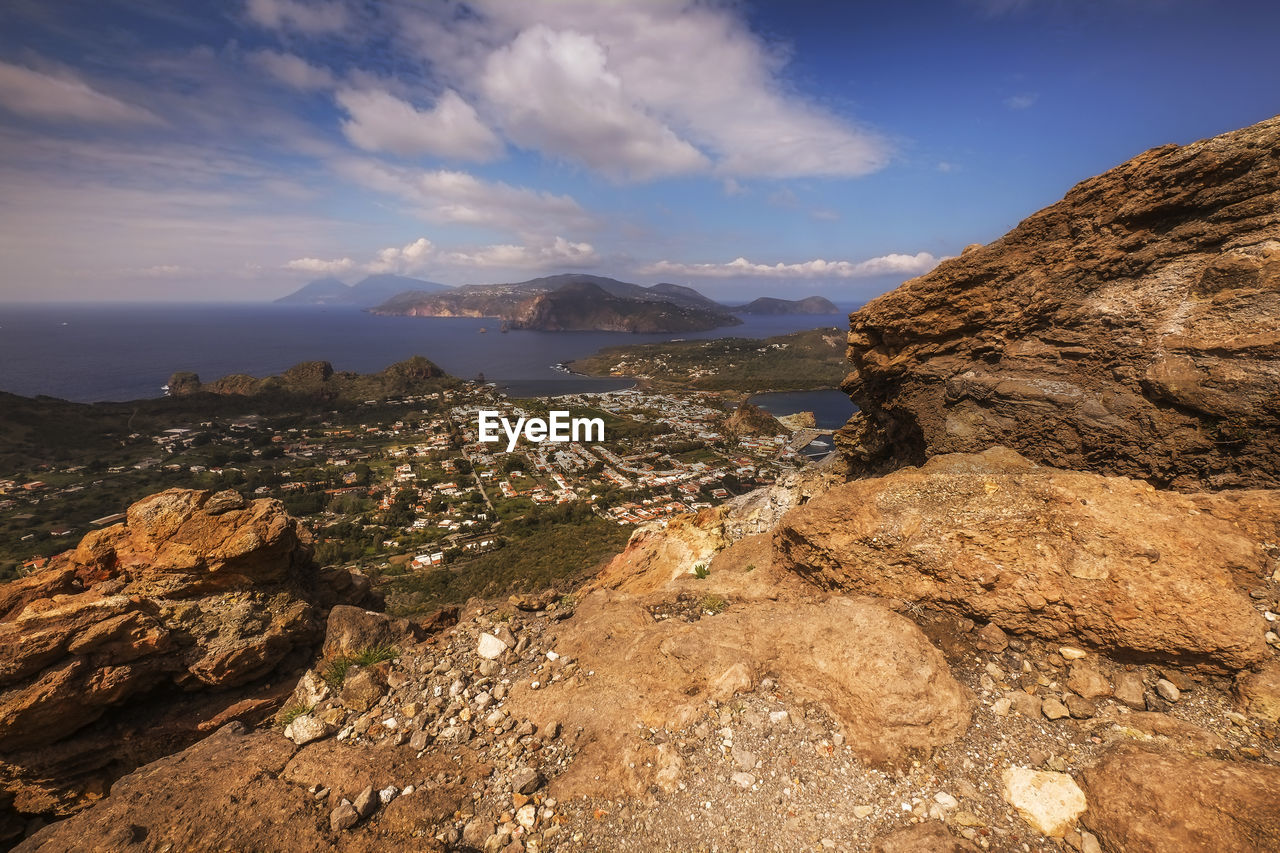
<point x="405" y="484"/>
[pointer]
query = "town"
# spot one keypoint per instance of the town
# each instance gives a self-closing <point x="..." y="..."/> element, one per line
<point x="406" y="491"/>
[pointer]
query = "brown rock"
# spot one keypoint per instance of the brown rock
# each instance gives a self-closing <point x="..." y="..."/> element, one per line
<point x="991" y="638"/>
<point x="976" y="534"/>
<point x="194" y="591"/>
<point x="1130" y="328"/>
<point x="1141" y="800"/>
<point x="930" y="836"/>
<point x="661" y="674"/>
<point x="1088" y="682"/>
<point x="362" y="688"/>
<point x="1130" y="690"/>
<point x="1259" y="692"/>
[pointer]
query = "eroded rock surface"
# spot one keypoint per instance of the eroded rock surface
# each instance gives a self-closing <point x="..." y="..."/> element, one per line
<point x="196" y="595"/>
<point x="1131" y="328"/>
<point x="1153" y="802"/>
<point x="1107" y="562"/>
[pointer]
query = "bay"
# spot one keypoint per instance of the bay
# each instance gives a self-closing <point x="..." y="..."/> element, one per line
<point x="94" y="352"/>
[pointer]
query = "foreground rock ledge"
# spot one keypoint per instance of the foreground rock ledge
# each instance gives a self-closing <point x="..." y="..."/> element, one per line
<point x="1106" y="562"/>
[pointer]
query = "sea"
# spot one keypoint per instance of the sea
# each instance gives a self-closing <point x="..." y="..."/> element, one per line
<point x="97" y="352"/>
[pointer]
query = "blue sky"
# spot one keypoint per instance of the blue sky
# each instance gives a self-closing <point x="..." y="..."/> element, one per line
<point x="234" y="150"/>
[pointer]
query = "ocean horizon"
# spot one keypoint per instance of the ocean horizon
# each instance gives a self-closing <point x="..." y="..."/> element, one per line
<point x="93" y="352"/>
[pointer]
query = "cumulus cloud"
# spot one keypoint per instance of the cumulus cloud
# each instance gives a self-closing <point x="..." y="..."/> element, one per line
<point x="892" y="264"/>
<point x="64" y="98"/>
<point x="379" y="121"/>
<point x="318" y="17"/>
<point x="321" y="267"/>
<point x="293" y="70"/>
<point x="403" y="260"/>
<point x="460" y="198"/>
<point x="725" y="95"/>
<point x="422" y="255"/>
<point x="560" y="254"/>
<point x="553" y="91"/>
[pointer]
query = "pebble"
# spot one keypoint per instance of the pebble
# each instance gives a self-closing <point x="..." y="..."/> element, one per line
<point x="1053" y="709"/>
<point x="863" y="812"/>
<point x="388" y="794"/>
<point x="365" y="802"/>
<point x="490" y="647"/>
<point x="1072" y="653"/>
<point x="778" y="717"/>
<point x="525" y="780"/>
<point x="343" y="817"/>
<point x="1168" y="690"/>
<point x="945" y="800"/>
<point x="743" y="780"/>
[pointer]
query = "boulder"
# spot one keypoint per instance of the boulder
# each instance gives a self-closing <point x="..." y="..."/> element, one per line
<point x="195" y="594"/>
<point x="1258" y="693"/>
<point x="1131" y="329"/>
<point x="1153" y="802"/>
<point x="1104" y="562"/>
<point x="661" y="673"/>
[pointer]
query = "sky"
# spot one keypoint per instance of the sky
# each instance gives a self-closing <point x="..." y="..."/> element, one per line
<point x="231" y="150"/>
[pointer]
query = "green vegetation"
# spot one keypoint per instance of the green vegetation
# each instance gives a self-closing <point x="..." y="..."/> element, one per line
<point x="701" y="572"/>
<point x="335" y="670"/>
<point x="548" y="547"/>
<point x="291" y="713"/>
<point x="797" y="362"/>
<point x="712" y="603"/>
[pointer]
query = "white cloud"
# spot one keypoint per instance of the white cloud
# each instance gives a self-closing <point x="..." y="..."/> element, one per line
<point x="64" y="98"/>
<point x="681" y="73"/>
<point x="893" y="264"/>
<point x="403" y="260"/>
<point x="321" y="267"/>
<point x="318" y="17"/>
<point x="459" y="198"/>
<point x="553" y="91"/>
<point x="293" y="70"/>
<point x="560" y="254"/>
<point x="422" y="255"/>
<point x="1024" y="101"/>
<point x="379" y="121"/>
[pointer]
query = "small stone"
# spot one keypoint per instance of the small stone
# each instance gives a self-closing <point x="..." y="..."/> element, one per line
<point x="476" y="832"/>
<point x="778" y="718"/>
<point x="945" y="800"/>
<point x="1129" y="690"/>
<point x="1072" y="653"/>
<point x="343" y="817"/>
<point x="366" y="802"/>
<point x="1088" y="682"/>
<point x="388" y="794"/>
<point x="527" y="816"/>
<point x="1049" y="802"/>
<point x="743" y="759"/>
<point x="1080" y="708"/>
<point x="490" y="647"/>
<point x="1001" y="706"/>
<point x="1026" y="704"/>
<point x="1053" y="709"/>
<point x="526" y="780"/>
<point x="419" y="741"/>
<point x="1168" y="690"/>
<point x="305" y="728"/>
<point x="743" y="780"/>
<point x="992" y="639"/>
<point x="863" y="812"/>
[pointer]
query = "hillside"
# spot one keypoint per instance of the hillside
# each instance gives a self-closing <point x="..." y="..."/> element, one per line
<point x="366" y="293"/>
<point x="571" y="303"/>
<point x="799" y="361"/>
<point x="770" y="305"/>
<point x="318" y="379"/>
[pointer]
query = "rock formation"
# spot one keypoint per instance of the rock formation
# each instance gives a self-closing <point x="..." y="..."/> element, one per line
<point x="1103" y="562"/>
<point x="121" y="648"/>
<point x="1131" y="328"/>
<point x="318" y="380"/>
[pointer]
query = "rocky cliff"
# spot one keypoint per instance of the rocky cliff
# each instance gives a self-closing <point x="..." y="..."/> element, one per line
<point x="318" y="380"/>
<point x="147" y="634"/>
<point x="1131" y="328"/>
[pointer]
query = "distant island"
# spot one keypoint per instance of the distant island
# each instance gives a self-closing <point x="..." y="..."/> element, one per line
<point x="318" y="379"/>
<point x="772" y="306"/>
<point x="570" y="303"/>
<point x="801" y="361"/>
<point x="366" y="293"/>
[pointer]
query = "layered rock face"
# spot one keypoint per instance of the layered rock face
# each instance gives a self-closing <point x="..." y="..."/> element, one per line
<point x="1103" y="562"/>
<point x="1131" y="328"/>
<point x="195" y="594"/>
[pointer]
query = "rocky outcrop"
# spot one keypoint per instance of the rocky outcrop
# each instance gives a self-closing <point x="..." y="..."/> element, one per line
<point x="1142" y="801"/>
<point x="1131" y="328"/>
<point x="1104" y="562"/>
<point x="751" y="420"/>
<point x="185" y="607"/>
<point x="318" y="380"/>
